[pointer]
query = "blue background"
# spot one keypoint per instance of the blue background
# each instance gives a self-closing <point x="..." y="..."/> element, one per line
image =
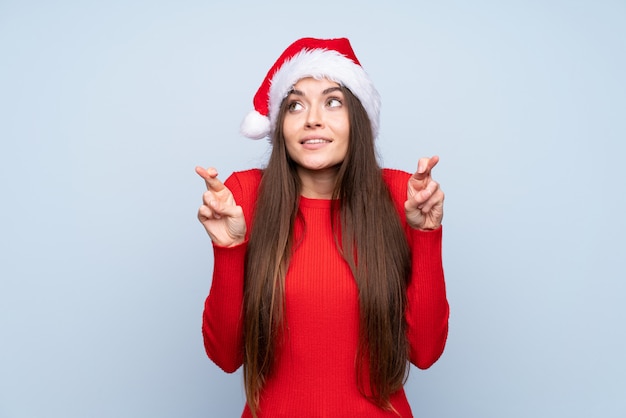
<point x="106" y="107"/>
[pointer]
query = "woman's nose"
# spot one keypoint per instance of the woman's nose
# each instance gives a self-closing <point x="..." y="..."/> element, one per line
<point x="314" y="117"/>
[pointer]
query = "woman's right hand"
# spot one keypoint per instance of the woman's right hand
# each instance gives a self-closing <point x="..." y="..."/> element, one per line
<point x="219" y="213"/>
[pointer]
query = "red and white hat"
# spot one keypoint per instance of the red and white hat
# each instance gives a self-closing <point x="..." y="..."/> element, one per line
<point x="333" y="59"/>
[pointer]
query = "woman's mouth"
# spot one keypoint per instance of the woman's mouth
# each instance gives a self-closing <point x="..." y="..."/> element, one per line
<point x="313" y="141"/>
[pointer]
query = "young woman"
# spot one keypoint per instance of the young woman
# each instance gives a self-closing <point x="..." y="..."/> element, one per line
<point x="328" y="278"/>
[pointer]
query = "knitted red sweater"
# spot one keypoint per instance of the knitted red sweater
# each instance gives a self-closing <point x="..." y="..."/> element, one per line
<point x="314" y="372"/>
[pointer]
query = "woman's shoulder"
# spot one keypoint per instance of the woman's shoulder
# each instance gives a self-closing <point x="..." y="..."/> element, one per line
<point x="395" y="174"/>
<point x="244" y="185"/>
<point x="247" y="180"/>
<point x="251" y="173"/>
<point x="396" y="181"/>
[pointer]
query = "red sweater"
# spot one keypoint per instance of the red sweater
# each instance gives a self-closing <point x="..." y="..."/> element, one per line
<point x="314" y="375"/>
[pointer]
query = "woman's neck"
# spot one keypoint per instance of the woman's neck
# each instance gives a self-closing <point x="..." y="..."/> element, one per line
<point x="318" y="184"/>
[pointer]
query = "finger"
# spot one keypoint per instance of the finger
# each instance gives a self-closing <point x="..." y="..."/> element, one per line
<point x="205" y="213"/>
<point x="213" y="204"/>
<point x="213" y="201"/>
<point x="210" y="177"/>
<point x="220" y="209"/>
<point x="421" y="197"/>
<point x="424" y="167"/>
<point x="432" y="162"/>
<point x="202" y="172"/>
<point x="208" y="197"/>
<point x="433" y="201"/>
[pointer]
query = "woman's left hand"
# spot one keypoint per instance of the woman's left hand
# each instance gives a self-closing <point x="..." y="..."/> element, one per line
<point x="424" y="204"/>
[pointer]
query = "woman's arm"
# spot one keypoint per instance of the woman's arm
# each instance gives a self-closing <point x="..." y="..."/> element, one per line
<point x="427" y="306"/>
<point x="222" y="319"/>
<point x="419" y="202"/>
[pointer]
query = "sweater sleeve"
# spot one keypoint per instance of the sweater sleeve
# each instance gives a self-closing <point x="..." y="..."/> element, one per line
<point x="222" y="319"/>
<point x="427" y="306"/>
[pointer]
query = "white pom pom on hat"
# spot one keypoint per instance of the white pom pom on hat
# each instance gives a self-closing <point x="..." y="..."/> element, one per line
<point x="255" y="125"/>
<point x="333" y="59"/>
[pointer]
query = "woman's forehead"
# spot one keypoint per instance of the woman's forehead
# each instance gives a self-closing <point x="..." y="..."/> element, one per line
<point x="312" y="84"/>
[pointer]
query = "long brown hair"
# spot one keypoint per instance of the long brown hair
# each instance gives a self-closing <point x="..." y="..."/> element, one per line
<point x="367" y="227"/>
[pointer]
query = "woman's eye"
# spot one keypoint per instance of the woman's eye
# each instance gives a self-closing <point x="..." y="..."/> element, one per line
<point x="333" y="102"/>
<point x="294" y="106"/>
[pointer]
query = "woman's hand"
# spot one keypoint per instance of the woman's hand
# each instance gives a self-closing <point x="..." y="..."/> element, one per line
<point x="219" y="213"/>
<point x="424" y="205"/>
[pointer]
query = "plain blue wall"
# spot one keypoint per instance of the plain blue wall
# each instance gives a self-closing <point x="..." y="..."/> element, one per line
<point x="106" y="107"/>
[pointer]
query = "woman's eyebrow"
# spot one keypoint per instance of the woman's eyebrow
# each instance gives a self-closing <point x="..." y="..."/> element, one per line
<point x="325" y="92"/>
<point x="296" y="92"/>
<point x="330" y="90"/>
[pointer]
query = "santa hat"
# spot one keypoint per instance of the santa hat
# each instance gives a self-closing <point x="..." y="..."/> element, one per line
<point x="333" y="59"/>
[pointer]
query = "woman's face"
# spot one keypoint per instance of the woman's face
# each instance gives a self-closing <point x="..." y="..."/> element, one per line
<point x="316" y="127"/>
